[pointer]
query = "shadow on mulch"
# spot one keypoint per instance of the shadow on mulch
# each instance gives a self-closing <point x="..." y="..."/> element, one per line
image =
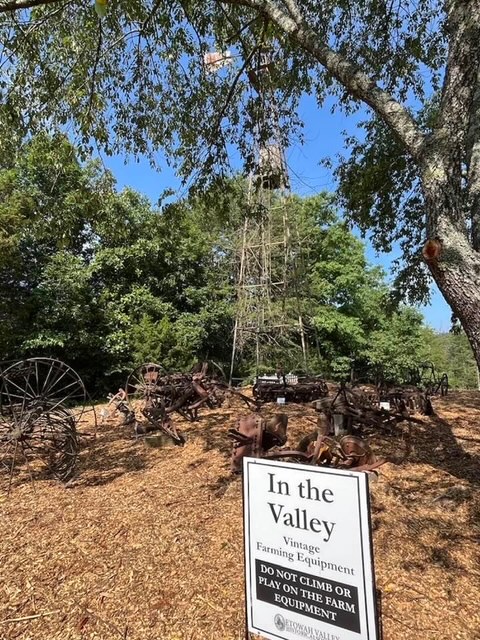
<point x="113" y="453"/>
<point x="430" y="441"/>
<point x="222" y="484"/>
<point x="461" y="400"/>
<point x="436" y="444"/>
<point x="212" y="432"/>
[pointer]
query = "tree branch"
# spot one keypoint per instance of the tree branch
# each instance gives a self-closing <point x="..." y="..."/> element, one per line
<point x="234" y="85"/>
<point x="449" y="137"/>
<point x="18" y="5"/>
<point x="94" y="70"/>
<point x="294" y="10"/>
<point x="356" y="81"/>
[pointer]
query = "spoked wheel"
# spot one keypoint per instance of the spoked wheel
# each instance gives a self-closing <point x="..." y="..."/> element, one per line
<point x="42" y="401"/>
<point x="142" y="382"/>
<point x="42" y="380"/>
<point x="40" y="433"/>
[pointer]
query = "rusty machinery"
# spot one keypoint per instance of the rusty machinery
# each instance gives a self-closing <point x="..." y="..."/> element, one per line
<point x="261" y="437"/>
<point x="421" y="380"/>
<point x="351" y="408"/>
<point x="42" y="400"/>
<point x="426" y="377"/>
<point x="297" y="389"/>
<point x="151" y="397"/>
<point x="343" y="419"/>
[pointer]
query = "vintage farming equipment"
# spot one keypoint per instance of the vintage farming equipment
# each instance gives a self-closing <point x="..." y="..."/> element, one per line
<point x="344" y="420"/>
<point x="353" y="408"/>
<point x="426" y="377"/>
<point x="42" y="400"/>
<point x="290" y="388"/>
<point x="422" y="379"/>
<point x="408" y="399"/>
<point x="152" y="396"/>
<point x="260" y="437"/>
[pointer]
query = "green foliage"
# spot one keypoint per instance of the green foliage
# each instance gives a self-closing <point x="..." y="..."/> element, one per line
<point x="98" y="277"/>
<point x="396" y="347"/>
<point x="344" y="299"/>
<point x="451" y="353"/>
<point x="380" y="191"/>
<point x="104" y="281"/>
<point x="135" y="81"/>
<point x="138" y="73"/>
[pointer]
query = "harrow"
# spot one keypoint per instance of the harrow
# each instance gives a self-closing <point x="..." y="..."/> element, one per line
<point x="290" y="388"/>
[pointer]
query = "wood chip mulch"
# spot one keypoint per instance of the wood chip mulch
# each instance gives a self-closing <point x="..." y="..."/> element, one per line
<point x="146" y="543"/>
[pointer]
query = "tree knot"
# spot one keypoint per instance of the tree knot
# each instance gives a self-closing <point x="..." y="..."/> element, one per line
<point x="432" y="249"/>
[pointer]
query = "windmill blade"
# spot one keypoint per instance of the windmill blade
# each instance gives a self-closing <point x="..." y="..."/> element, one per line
<point x="216" y="60"/>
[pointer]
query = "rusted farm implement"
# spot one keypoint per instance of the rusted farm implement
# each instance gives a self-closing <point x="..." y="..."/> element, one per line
<point x="343" y="421"/>
<point x="426" y="377"/>
<point x="290" y="388"/>
<point x="152" y="396"/>
<point x="42" y="400"/>
<point x="421" y="379"/>
<point x="259" y="437"/>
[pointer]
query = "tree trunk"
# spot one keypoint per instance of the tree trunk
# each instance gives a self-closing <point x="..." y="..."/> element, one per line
<point x="456" y="272"/>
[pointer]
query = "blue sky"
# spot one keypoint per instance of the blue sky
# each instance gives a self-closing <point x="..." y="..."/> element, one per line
<point x="322" y="137"/>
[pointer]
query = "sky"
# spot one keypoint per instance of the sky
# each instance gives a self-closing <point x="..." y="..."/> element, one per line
<point x="322" y="138"/>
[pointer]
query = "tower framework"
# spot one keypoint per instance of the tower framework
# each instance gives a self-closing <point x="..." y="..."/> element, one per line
<point x="268" y="310"/>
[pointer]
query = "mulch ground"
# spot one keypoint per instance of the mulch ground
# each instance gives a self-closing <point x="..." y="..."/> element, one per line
<point x="146" y="543"/>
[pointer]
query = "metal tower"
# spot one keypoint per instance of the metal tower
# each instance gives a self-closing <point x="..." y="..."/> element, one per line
<point x="268" y="305"/>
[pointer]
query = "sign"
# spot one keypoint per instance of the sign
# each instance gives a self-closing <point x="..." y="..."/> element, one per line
<point x="308" y="553"/>
<point x="280" y="400"/>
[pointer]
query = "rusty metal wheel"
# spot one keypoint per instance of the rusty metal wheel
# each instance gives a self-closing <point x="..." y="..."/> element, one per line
<point x="38" y="380"/>
<point x="42" y="400"/>
<point x="41" y="434"/>
<point x="142" y="381"/>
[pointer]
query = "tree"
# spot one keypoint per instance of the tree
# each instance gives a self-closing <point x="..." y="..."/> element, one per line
<point x="135" y="80"/>
<point x="396" y="346"/>
<point x="103" y="280"/>
<point x="47" y="205"/>
<point x="348" y="315"/>
<point x="451" y="353"/>
<point x="99" y="278"/>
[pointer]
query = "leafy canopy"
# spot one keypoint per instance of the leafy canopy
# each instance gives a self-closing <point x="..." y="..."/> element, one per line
<point x="118" y="282"/>
<point x="135" y="81"/>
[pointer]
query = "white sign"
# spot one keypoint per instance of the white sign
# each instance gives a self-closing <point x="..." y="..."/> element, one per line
<point x="308" y="553"/>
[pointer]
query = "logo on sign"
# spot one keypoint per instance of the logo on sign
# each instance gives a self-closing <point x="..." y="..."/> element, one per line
<point x="279" y="622"/>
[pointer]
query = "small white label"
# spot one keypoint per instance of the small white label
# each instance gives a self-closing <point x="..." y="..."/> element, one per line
<point x="280" y="400"/>
<point x="338" y="424"/>
<point x="385" y="405"/>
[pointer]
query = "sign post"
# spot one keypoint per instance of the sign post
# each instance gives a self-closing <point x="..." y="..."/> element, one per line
<point x="308" y="552"/>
